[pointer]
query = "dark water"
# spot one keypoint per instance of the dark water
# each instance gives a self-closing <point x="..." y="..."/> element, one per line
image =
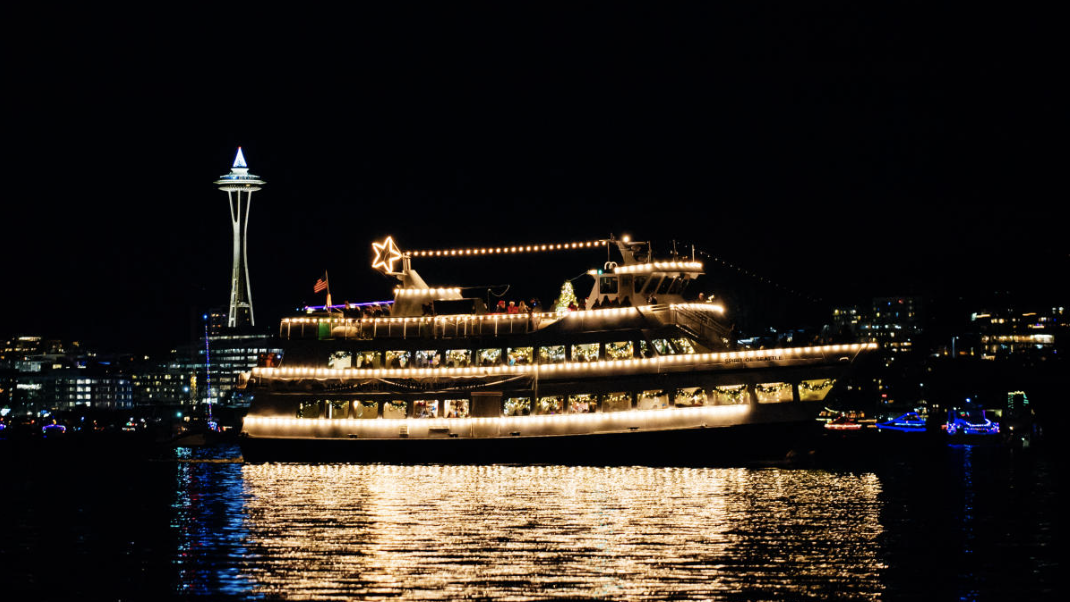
<point x="961" y="523"/>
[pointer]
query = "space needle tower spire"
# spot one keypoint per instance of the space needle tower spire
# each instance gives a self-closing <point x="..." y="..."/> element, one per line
<point x="240" y="185"/>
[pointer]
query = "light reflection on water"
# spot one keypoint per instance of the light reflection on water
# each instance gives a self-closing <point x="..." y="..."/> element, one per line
<point x="524" y="532"/>
<point x="962" y="523"/>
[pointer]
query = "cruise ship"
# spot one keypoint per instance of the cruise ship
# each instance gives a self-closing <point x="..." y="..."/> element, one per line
<point x="637" y="372"/>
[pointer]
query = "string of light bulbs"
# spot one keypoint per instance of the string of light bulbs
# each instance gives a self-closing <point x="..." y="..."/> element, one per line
<point x="760" y="278"/>
<point x="510" y="249"/>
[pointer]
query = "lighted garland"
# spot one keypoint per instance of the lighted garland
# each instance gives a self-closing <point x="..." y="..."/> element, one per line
<point x="810" y="388"/>
<point x="771" y="392"/>
<point x="772" y="387"/>
<point x="734" y="393"/>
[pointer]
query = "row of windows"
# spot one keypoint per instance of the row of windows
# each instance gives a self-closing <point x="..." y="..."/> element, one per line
<point x="513" y="356"/>
<point x="581" y="403"/>
<point x="659" y="285"/>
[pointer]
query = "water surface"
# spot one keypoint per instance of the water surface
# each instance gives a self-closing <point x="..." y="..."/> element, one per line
<point x="969" y="523"/>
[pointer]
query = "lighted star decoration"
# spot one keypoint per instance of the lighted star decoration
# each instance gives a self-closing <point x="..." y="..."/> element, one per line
<point x="386" y="255"/>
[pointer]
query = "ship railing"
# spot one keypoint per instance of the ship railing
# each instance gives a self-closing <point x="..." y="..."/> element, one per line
<point x="696" y="318"/>
<point x="426" y="327"/>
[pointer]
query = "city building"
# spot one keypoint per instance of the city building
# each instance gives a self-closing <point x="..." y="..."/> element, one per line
<point x="893" y="323"/>
<point x="1009" y="332"/>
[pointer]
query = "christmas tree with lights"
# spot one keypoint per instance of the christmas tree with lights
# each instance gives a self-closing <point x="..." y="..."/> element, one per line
<point x="566" y="298"/>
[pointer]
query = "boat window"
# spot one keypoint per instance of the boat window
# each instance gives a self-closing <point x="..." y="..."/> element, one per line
<point x="489" y="357"/>
<point x="458" y="358"/>
<point x="518" y="406"/>
<point x="395" y="409"/>
<point x="456" y="408"/>
<point x="398" y="359"/>
<point x="815" y="390"/>
<point x="678" y="285"/>
<point x="552" y="354"/>
<point x="339" y="360"/>
<point x="335" y="410"/>
<point x="646" y="349"/>
<point x="655" y="280"/>
<point x="773" y="392"/>
<point x="665" y="284"/>
<point x="551" y="404"/>
<point x="366" y="410"/>
<point x="626" y="284"/>
<point x="586" y="352"/>
<point x="728" y="395"/>
<point x="425" y="408"/>
<point x="663" y="346"/>
<point x="607" y="285"/>
<point x="308" y="409"/>
<point x="689" y="397"/>
<point x="584" y="403"/>
<point x="428" y="358"/>
<point x="654" y="399"/>
<point x="519" y="356"/>
<point x="640" y="282"/>
<point x="368" y="359"/>
<point x="619" y="351"/>
<point x="617" y="402"/>
<point x="683" y="344"/>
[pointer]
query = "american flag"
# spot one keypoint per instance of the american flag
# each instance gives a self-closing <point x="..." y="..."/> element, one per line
<point x="321" y="285"/>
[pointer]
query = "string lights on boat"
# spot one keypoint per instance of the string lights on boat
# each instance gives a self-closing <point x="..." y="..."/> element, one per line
<point x="622" y="420"/>
<point x="504" y="250"/>
<point x="607" y="311"/>
<point x="763" y="355"/>
<point x="427" y="292"/>
<point x="659" y="266"/>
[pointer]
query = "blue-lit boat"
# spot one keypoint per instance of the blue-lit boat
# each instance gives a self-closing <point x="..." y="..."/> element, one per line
<point x="969" y="424"/>
<point x="911" y="422"/>
<point x="635" y="373"/>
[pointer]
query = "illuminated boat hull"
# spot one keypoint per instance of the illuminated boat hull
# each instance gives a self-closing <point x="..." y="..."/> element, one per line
<point x="689" y="409"/>
<point x="691" y="446"/>
<point x="967" y="426"/>
<point x="910" y="422"/>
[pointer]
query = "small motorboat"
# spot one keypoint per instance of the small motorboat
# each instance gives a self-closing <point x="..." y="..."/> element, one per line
<point x="969" y="423"/>
<point x="843" y="422"/>
<point x="911" y="422"/>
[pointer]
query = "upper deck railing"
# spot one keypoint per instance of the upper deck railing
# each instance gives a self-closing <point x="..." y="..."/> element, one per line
<point x="693" y="316"/>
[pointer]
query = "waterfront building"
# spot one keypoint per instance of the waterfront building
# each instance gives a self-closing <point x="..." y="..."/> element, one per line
<point x="71" y="389"/>
<point x="1005" y="332"/>
<point x="240" y="185"/>
<point x="169" y="382"/>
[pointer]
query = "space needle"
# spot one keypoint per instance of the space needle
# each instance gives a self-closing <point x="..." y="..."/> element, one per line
<point x="240" y="185"/>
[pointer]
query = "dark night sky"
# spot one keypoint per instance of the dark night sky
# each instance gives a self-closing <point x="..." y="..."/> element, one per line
<point x="844" y="154"/>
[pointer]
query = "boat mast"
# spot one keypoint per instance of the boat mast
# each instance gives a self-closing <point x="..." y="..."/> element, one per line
<point x="208" y="373"/>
